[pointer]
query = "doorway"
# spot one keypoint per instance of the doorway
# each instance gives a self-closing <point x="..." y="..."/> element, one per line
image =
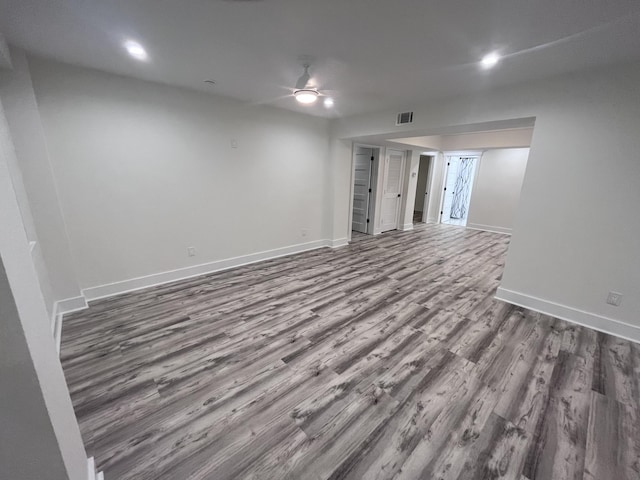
<point x="459" y="177"/>
<point x="364" y="175"/>
<point x="422" y="191"/>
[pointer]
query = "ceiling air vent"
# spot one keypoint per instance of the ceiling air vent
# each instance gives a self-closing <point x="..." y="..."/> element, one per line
<point x="404" y="117"/>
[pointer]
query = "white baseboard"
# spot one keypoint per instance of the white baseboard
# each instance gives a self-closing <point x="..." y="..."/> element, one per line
<point x="407" y="227"/>
<point x="570" y="314"/>
<point x="91" y="469"/>
<point x="339" y="242"/>
<point x="69" y="305"/>
<point x="489" y="228"/>
<point x="60" y="308"/>
<point x="56" y="328"/>
<point x="130" y="285"/>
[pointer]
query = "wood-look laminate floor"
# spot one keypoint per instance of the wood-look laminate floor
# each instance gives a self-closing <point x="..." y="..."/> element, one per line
<point x="385" y="359"/>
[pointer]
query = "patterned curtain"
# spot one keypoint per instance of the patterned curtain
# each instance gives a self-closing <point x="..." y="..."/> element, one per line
<point x="460" y="198"/>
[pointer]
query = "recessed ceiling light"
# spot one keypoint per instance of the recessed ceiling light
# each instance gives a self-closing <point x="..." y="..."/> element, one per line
<point x="136" y="50"/>
<point x="328" y="102"/>
<point x="210" y="82"/>
<point x="306" y="95"/>
<point x="490" y="60"/>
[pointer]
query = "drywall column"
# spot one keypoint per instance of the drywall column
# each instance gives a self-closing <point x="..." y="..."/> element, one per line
<point x="341" y="159"/>
<point x="39" y="434"/>
<point x="52" y="256"/>
<point x="25" y="211"/>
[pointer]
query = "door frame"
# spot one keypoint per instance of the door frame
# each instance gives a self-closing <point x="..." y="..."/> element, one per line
<point x="374" y="186"/>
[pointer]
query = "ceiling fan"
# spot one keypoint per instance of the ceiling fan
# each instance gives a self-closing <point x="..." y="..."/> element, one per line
<point x="305" y="93"/>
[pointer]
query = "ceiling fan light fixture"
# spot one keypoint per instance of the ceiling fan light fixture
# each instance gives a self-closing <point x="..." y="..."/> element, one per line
<point x="306" y="95"/>
<point x="490" y="60"/>
<point x="136" y="50"/>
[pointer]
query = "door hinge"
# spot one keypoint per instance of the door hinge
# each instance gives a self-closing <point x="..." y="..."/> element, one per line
<point x="445" y="189"/>
<point x="367" y="220"/>
<point x="448" y="164"/>
<point x="369" y="190"/>
<point x="372" y="158"/>
<point x="441" y="213"/>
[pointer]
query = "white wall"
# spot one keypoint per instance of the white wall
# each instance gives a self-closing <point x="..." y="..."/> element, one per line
<point x="508" y="138"/>
<point x="145" y="171"/>
<point x="496" y="190"/>
<point x="518" y="137"/>
<point x="33" y="178"/>
<point x="39" y="434"/>
<point x="576" y="230"/>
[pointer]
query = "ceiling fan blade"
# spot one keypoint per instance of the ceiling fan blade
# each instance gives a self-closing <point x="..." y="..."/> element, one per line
<point x="303" y="80"/>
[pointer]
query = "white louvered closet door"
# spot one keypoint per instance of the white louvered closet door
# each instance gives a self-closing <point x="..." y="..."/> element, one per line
<point x="362" y="189"/>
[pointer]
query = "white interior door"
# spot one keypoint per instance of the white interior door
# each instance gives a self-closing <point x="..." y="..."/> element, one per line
<point x="361" y="189"/>
<point x="457" y="189"/>
<point x="393" y="172"/>
<point x="449" y="185"/>
<point x="425" y="206"/>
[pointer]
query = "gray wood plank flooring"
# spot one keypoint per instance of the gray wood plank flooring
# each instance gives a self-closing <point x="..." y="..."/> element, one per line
<point x="386" y="359"/>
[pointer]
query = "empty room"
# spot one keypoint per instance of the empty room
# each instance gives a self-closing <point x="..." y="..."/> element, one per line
<point x="278" y="239"/>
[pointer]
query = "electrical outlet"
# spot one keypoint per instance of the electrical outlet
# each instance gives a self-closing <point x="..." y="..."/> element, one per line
<point x="614" y="298"/>
<point x="304" y="232"/>
<point x="191" y="251"/>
